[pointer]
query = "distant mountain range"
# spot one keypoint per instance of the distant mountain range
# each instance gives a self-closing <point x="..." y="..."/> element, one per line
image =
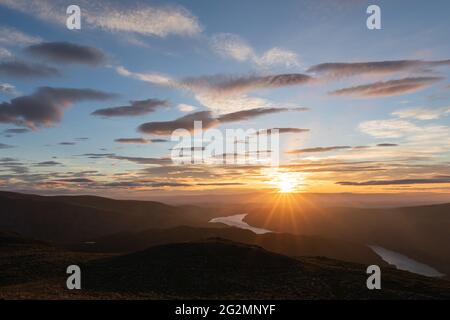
<point x="421" y="232"/>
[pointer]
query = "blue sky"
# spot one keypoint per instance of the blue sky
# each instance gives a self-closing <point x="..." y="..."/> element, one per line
<point x="228" y="41"/>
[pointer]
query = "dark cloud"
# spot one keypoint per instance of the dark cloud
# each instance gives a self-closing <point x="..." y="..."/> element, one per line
<point x="75" y="180"/>
<point x="232" y="85"/>
<point x="16" y="130"/>
<point x="47" y="164"/>
<point x="437" y="179"/>
<point x="159" y="140"/>
<point x="98" y="155"/>
<point x="24" y="70"/>
<point x="136" y="108"/>
<point x="387" y="145"/>
<point x="208" y="121"/>
<point x="136" y="184"/>
<point x="318" y="149"/>
<point x="388" y="88"/>
<point x="377" y="67"/>
<point x="82" y="139"/>
<point x="67" y="143"/>
<point x="247" y="114"/>
<point x="138" y="160"/>
<point x="45" y="107"/>
<point x="5" y="146"/>
<point x="142" y="160"/>
<point x="221" y="184"/>
<point x="132" y="140"/>
<point x="185" y="122"/>
<point x="289" y="130"/>
<point x="66" y="52"/>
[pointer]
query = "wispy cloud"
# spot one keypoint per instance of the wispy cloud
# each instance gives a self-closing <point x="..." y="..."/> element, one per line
<point x="339" y="70"/>
<point x="143" y="19"/>
<point x="422" y="113"/>
<point x="136" y="108"/>
<point x="13" y="37"/>
<point x="388" y="88"/>
<point x="437" y="179"/>
<point x="224" y="93"/>
<point x="8" y="89"/>
<point x="233" y="46"/>
<point x="318" y="149"/>
<point x="185" y="107"/>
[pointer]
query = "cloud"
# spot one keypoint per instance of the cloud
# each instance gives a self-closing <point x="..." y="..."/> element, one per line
<point x="20" y="69"/>
<point x="422" y="113"/>
<point x="45" y="107"/>
<point x="136" y="108"/>
<point x="132" y="140"/>
<point x="5" y="53"/>
<point x="208" y="120"/>
<point x="66" y="52"/>
<point x="13" y="37"/>
<point x="8" y="89"/>
<point x="142" y="160"/>
<point x="5" y="146"/>
<point x="290" y="130"/>
<point x="147" y="20"/>
<point x="67" y="143"/>
<point x="377" y="67"/>
<point x="16" y="130"/>
<point x="75" y="180"/>
<point x="143" y="19"/>
<point x="318" y="149"/>
<point x="185" y="122"/>
<point x="278" y="56"/>
<point x="158" y="140"/>
<point x="418" y="139"/>
<point x="47" y="164"/>
<point x="185" y="107"/>
<point x="232" y="46"/>
<point x="437" y="179"/>
<point x="138" y="160"/>
<point x="388" y="88"/>
<point x="392" y="128"/>
<point x="224" y="93"/>
<point x="387" y="145"/>
<point x="248" y="114"/>
<point x="235" y="85"/>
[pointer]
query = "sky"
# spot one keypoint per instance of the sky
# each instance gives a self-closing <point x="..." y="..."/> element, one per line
<point x="92" y="111"/>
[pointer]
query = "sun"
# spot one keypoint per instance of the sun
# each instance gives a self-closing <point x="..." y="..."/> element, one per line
<point x="285" y="182"/>
<point x="286" y="186"/>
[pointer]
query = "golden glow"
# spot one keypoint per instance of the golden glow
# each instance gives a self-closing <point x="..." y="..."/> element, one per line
<point x="285" y="182"/>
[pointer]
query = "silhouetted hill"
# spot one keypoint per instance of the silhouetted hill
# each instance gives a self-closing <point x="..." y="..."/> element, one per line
<point x="70" y="219"/>
<point x="288" y="244"/>
<point x="418" y="232"/>
<point x="213" y="268"/>
<point x="224" y="269"/>
<point x="24" y="260"/>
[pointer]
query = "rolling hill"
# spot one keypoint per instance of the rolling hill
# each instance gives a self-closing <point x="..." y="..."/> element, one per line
<point x="283" y="243"/>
